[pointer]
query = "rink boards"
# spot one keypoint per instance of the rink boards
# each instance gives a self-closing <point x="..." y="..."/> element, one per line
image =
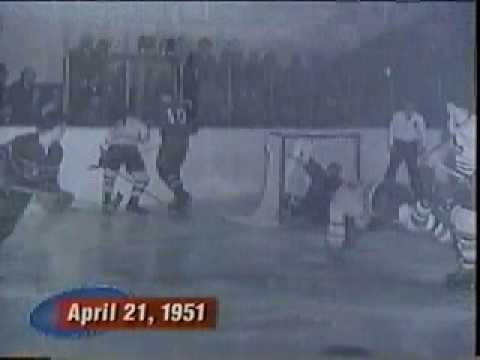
<point x="221" y="163"/>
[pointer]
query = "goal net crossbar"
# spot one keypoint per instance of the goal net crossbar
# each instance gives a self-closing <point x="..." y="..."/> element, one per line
<point x="286" y="176"/>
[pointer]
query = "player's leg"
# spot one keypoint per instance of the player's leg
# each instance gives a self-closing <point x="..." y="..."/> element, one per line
<point x="169" y="171"/>
<point x="462" y="220"/>
<point x="396" y="158"/>
<point x="336" y="235"/>
<point x="136" y="167"/>
<point x="337" y="230"/>
<point x="12" y="207"/>
<point x="411" y="160"/>
<point x="111" y="163"/>
<point x="12" y="203"/>
<point x="429" y="213"/>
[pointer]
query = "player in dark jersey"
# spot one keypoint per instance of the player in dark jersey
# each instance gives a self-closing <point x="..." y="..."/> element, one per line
<point x="324" y="182"/>
<point x="177" y="122"/>
<point x="175" y="132"/>
<point x="29" y="164"/>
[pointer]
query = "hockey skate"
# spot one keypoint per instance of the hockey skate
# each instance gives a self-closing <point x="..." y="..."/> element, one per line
<point x="134" y="207"/>
<point x="180" y="205"/>
<point x="461" y="279"/>
<point x="110" y="206"/>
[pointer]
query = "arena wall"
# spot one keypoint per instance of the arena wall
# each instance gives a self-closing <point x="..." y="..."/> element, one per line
<point x="221" y="163"/>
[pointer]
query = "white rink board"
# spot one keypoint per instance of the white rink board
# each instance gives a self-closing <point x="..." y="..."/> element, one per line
<point x="221" y="163"/>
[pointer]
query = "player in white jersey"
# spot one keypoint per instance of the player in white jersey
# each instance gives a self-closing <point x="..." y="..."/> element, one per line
<point x="453" y="211"/>
<point x="449" y="216"/>
<point x="122" y="143"/>
<point x="360" y="205"/>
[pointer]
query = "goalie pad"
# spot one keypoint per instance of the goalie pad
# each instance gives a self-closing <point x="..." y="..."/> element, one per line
<point x="386" y="199"/>
<point x="352" y="202"/>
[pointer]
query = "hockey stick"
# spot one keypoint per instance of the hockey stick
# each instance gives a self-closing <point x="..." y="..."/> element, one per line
<point x="130" y="181"/>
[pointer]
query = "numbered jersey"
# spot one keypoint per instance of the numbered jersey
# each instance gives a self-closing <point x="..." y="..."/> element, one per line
<point x="176" y="115"/>
<point x="132" y="131"/>
<point x="175" y="130"/>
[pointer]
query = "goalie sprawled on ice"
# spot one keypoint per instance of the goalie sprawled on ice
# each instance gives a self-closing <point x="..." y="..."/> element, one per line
<point x="446" y="210"/>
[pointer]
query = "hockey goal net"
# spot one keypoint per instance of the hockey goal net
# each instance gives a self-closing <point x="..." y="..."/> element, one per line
<point x="284" y="174"/>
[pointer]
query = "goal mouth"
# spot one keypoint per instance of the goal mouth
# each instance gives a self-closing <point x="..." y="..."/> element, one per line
<point x="286" y="180"/>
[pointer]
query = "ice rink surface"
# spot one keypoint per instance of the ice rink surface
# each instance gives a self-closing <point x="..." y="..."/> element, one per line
<point x="282" y="294"/>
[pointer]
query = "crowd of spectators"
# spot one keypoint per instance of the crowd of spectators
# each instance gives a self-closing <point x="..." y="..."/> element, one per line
<point x="24" y="101"/>
<point x="247" y="88"/>
<point x="238" y="87"/>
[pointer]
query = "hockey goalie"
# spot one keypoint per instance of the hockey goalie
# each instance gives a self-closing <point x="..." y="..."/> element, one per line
<point x="446" y="209"/>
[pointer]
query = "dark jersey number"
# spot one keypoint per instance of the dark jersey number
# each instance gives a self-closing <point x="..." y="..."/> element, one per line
<point x="177" y="116"/>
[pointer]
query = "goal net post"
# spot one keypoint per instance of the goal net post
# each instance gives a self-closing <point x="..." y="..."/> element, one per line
<point x="285" y="173"/>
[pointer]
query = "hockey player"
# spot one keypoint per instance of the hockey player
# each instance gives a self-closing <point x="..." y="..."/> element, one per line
<point x="122" y="143"/>
<point x="452" y="215"/>
<point x="175" y="133"/>
<point x="177" y="122"/>
<point x="322" y="184"/>
<point x="30" y="164"/>
<point x="450" y="218"/>
<point x="358" y="205"/>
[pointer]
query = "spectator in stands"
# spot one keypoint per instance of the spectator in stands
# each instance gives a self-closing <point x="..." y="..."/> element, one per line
<point x="23" y="97"/>
<point x="5" y="110"/>
<point x="206" y="73"/>
<point x="319" y="90"/>
<point x="190" y="85"/>
<point x="85" y="56"/>
<point x="223" y="85"/>
<point x="272" y="71"/>
<point x="253" y="76"/>
<point x="406" y="141"/>
<point x="239" y="86"/>
<point x="85" y="75"/>
<point x="294" y="94"/>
